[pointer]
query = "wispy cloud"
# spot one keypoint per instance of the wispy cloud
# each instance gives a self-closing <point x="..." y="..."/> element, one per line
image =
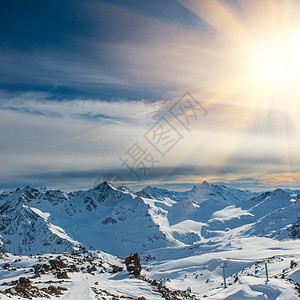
<point x="144" y="56"/>
<point x="56" y="136"/>
<point x="40" y="103"/>
<point x="71" y="143"/>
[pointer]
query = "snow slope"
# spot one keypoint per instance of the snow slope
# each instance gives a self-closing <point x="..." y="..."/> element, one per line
<point x="196" y="273"/>
<point x="106" y="217"/>
<point x="182" y="237"/>
<point x="27" y="230"/>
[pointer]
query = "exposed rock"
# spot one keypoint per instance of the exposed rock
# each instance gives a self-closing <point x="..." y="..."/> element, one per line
<point x="57" y="263"/>
<point x="133" y="264"/>
<point x="116" y="269"/>
<point x="62" y="275"/>
<point x="24" y="282"/>
<point x="109" y="220"/>
<point x="73" y="268"/>
<point x="53" y="290"/>
<point x="91" y="269"/>
<point x="11" y="291"/>
<point x="167" y="293"/>
<point x="293" y="264"/>
<point x="6" y="266"/>
<point x="107" y="295"/>
<point x="25" y="289"/>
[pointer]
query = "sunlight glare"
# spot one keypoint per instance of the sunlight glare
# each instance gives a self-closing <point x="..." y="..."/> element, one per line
<point x="275" y="63"/>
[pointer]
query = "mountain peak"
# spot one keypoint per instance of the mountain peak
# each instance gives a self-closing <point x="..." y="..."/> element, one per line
<point x="202" y="186"/>
<point x="28" y="193"/>
<point x="279" y="192"/>
<point x="104" y="186"/>
<point x="150" y="188"/>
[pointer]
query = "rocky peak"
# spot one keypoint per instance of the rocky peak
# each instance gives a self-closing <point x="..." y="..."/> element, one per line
<point x="104" y="186"/>
<point x="279" y="192"/>
<point x="205" y="184"/>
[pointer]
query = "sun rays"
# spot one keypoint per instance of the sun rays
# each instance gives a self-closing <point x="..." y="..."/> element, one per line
<point x="246" y="64"/>
<point x="258" y="67"/>
<point x="240" y="58"/>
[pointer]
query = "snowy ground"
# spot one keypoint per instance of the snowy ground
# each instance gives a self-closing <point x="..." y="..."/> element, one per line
<point x="81" y="285"/>
<point x="177" y="269"/>
<point x="245" y="270"/>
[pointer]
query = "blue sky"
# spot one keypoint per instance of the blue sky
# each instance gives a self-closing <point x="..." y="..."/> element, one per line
<point x="76" y="48"/>
<point x="83" y="81"/>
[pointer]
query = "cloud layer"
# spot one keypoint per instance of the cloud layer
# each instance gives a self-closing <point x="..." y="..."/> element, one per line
<point x="71" y="143"/>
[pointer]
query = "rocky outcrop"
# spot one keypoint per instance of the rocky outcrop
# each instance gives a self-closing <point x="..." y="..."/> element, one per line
<point x="133" y="264"/>
<point x="23" y="288"/>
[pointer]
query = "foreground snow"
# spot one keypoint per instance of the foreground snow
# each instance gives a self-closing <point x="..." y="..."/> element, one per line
<point x="81" y="284"/>
<point x="194" y="269"/>
<point x="245" y="272"/>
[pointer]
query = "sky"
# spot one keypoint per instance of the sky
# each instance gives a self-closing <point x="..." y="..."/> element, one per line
<point x="166" y="93"/>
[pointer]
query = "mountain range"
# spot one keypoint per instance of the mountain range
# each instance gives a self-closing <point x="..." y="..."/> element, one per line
<point x="184" y="241"/>
<point x="119" y="221"/>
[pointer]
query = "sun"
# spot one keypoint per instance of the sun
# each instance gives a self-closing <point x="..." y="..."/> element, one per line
<point x="275" y="62"/>
<point x="254" y="52"/>
<point x="251" y="56"/>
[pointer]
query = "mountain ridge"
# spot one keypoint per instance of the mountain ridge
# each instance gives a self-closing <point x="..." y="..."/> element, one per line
<point x="107" y="216"/>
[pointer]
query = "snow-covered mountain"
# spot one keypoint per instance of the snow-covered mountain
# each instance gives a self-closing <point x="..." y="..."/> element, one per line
<point x="205" y="191"/>
<point x="159" y="194"/>
<point x="199" y="193"/>
<point x="276" y="214"/>
<point x="176" y="233"/>
<point x="25" y="229"/>
<point x="104" y="217"/>
<point x="119" y="221"/>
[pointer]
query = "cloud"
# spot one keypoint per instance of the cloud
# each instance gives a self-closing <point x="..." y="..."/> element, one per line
<point x="64" y="136"/>
<point x="40" y="103"/>
<point x="70" y="143"/>
<point x="111" y="51"/>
